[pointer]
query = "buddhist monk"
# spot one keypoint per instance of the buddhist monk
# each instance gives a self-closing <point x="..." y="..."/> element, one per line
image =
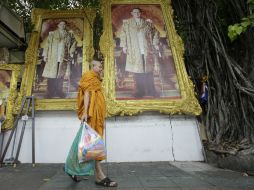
<point x="92" y="109"/>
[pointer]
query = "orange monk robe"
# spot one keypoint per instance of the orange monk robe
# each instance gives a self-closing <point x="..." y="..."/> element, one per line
<point x="90" y="81"/>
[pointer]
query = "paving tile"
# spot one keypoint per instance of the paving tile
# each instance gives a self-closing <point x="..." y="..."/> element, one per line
<point x="156" y="182"/>
<point x="130" y="182"/>
<point x="201" y="188"/>
<point x="227" y="174"/>
<point x="235" y="188"/>
<point x="164" y="188"/>
<point x="26" y="177"/>
<point x="227" y="183"/>
<point x="174" y="173"/>
<point x="194" y="166"/>
<point x="190" y="182"/>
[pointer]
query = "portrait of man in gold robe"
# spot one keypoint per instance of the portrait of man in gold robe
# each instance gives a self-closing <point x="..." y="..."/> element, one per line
<point x="60" y="59"/>
<point x="143" y="59"/>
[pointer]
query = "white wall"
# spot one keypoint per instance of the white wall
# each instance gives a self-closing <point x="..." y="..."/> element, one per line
<point x="146" y="137"/>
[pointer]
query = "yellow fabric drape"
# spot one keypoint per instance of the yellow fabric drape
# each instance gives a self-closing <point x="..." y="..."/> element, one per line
<point x="90" y="82"/>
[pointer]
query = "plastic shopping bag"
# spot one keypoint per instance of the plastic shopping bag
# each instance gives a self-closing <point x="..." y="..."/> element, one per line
<point x="91" y="144"/>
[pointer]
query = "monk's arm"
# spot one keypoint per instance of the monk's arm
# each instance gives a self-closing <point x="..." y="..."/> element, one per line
<point x="86" y="104"/>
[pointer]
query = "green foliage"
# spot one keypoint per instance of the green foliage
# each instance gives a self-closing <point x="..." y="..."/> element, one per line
<point x="24" y="7"/>
<point x="236" y="29"/>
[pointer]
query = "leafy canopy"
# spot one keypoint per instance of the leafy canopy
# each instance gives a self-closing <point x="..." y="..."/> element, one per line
<point x="236" y="29"/>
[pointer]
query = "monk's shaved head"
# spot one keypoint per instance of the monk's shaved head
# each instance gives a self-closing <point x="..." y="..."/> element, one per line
<point x="97" y="66"/>
<point x="95" y="63"/>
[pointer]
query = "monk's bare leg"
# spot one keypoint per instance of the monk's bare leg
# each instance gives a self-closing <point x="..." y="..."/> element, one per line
<point x="100" y="174"/>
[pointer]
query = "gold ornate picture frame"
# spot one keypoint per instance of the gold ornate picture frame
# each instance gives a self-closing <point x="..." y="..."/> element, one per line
<point x="9" y="74"/>
<point x="144" y="66"/>
<point x="59" y="51"/>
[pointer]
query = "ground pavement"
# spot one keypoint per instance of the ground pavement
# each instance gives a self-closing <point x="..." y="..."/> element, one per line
<point x="130" y="176"/>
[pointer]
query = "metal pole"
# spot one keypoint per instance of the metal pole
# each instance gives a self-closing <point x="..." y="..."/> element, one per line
<point x="106" y="160"/>
<point x="22" y="132"/>
<point x="2" y="143"/>
<point x="33" y="132"/>
<point x="14" y="128"/>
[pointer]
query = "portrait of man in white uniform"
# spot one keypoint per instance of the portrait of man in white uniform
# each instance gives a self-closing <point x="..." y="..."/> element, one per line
<point x="59" y="63"/>
<point x="144" y="63"/>
<point x="139" y="40"/>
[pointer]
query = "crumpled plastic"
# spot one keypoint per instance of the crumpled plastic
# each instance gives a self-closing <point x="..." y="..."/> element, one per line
<point x="91" y="144"/>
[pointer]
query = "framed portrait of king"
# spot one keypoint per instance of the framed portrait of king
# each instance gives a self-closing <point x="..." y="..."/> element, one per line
<point x="59" y="51"/>
<point x="144" y="66"/>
